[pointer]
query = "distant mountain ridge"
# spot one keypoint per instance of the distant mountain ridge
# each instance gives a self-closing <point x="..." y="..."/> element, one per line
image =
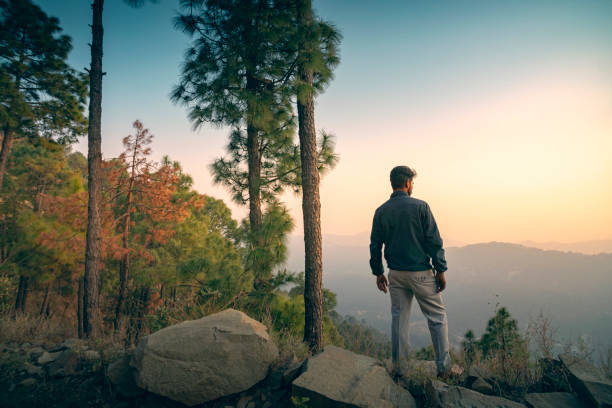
<point x="569" y="287"/>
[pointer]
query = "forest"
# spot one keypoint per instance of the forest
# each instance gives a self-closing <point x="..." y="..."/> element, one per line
<point x="124" y="246"/>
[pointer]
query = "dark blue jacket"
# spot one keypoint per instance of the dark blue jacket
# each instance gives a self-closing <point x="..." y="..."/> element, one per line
<point x="407" y="228"/>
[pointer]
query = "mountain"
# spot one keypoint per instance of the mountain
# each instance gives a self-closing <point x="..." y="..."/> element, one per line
<point x="570" y="288"/>
<point x="585" y="247"/>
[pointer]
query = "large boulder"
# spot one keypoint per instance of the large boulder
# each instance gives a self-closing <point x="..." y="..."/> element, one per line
<point x="553" y="400"/>
<point x="588" y="381"/>
<point x="201" y="360"/>
<point x="441" y="395"/>
<point x="338" y="378"/>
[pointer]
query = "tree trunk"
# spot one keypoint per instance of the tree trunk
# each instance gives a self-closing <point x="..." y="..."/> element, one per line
<point x="93" y="251"/>
<point x="254" y="180"/>
<point x="22" y="294"/>
<point x="311" y="204"/>
<point x="80" y="308"/>
<point x="7" y="144"/>
<point x="44" y="307"/>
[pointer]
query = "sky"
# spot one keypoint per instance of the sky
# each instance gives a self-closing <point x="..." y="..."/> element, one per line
<point x="504" y="108"/>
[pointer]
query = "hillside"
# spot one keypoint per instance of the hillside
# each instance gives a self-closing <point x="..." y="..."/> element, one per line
<point x="570" y="288"/>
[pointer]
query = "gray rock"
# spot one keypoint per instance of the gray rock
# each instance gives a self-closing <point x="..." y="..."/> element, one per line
<point x="441" y="395"/>
<point x="36" y="352"/>
<point x="90" y="355"/>
<point x="121" y="375"/>
<point x="65" y="364"/>
<point x="34" y="370"/>
<point x="339" y="378"/>
<point x="47" y="357"/>
<point x="28" y="382"/>
<point x="201" y="360"/>
<point x="73" y="344"/>
<point x="293" y="371"/>
<point x="588" y="381"/>
<point x="480" y="385"/>
<point x="244" y="401"/>
<point x="553" y="400"/>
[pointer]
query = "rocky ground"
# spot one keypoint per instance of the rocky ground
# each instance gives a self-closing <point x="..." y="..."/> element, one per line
<point x="227" y="360"/>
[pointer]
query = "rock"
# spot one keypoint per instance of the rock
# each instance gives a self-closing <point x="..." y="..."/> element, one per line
<point x="554" y="376"/>
<point x="588" y="381"/>
<point x="47" y="357"/>
<point x="293" y="371"/>
<point x="480" y="385"/>
<point x="201" y="360"/>
<point x="73" y="344"/>
<point x="90" y="355"/>
<point x="34" y="370"/>
<point x="121" y="375"/>
<point x="36" y="352"/>
<point x="553" y="400"/>
<point x="244" y="401"/>
<point x="28" y="382"/>
<point x="339" y="378"/>
<point x="65" y="364"/>
<point x="441" y="395"/>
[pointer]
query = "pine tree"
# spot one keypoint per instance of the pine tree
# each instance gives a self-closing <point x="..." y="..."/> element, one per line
<point x="236" y="73"/>
<point x="40" y="95"/>
<point x="316" y="57"/>
<point x="93" y="255"/>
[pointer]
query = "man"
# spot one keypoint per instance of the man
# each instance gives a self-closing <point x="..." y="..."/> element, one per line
<point x="407" y="228"/>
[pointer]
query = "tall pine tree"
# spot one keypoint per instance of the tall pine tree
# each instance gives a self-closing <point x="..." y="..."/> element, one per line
<point x="317" y="44"/>
<point x="40" y="94"/>
<point x="235" y="74"/>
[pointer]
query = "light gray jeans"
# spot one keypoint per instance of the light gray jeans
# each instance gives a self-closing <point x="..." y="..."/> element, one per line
<point x="403" y="286"/>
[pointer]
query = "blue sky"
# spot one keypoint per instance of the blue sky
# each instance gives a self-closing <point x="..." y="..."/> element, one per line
<point x="415" y="80"/>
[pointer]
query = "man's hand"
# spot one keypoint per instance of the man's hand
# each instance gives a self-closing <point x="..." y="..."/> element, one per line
<point x="440" y="282"/>
<point x="381" y="282"/>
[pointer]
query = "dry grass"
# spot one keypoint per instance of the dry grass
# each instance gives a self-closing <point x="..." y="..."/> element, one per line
<point x="24" y="328"/>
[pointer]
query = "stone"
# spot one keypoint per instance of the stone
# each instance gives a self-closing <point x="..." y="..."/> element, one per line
<point x="47" y="357"/>
<point x="441" y="395"/>
<point x="293" y="371"/>
<point x="588" y="381"/>
<point x="339" y="378"/>
<point x="121" y="375"/>
<point x="553" y="400"/>
<point x="73" y="344"/>
<point x="480" y="385"/>
<point x="65" y="364"/>
<point x="34" y="370"/>
<point x="28" y="382"/>
<point x="554" y="376"/>
<point x="36" y="352"/>
<point x="90" y="355"/>
<point x="201" y="360"/>
<point x="244" y="401"/>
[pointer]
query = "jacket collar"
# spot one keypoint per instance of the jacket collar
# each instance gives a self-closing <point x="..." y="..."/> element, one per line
<point x="399" y="193"/>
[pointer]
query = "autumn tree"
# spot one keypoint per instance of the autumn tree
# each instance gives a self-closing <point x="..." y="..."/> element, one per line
<point x="37" y="170"/>
<point x="147" y="204"/>
<point x="40" y="94"/>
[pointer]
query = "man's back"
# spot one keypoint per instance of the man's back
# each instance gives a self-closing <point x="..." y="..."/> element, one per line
<point x="407" y="228"/>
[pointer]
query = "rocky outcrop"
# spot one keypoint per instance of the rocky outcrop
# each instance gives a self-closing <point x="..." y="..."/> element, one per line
<point x="201" y="360"/>
<point x="553" y="400"/>
<point x="588" y="381"/>
<point x="441" y="395"/>
<point x="339" y="378"/>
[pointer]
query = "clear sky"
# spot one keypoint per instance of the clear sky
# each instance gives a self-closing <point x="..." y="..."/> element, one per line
<point x="504" y="108"/>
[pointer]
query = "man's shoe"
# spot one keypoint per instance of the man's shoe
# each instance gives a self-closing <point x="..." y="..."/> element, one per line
<point x="453" y="372"/>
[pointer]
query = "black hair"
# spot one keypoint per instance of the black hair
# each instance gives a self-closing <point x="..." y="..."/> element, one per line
<point x="400" y="175"/>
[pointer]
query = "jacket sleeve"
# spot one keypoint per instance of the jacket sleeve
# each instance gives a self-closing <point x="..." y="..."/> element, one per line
<point x="433" y="241"/>
<point x="376" y="243"/>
